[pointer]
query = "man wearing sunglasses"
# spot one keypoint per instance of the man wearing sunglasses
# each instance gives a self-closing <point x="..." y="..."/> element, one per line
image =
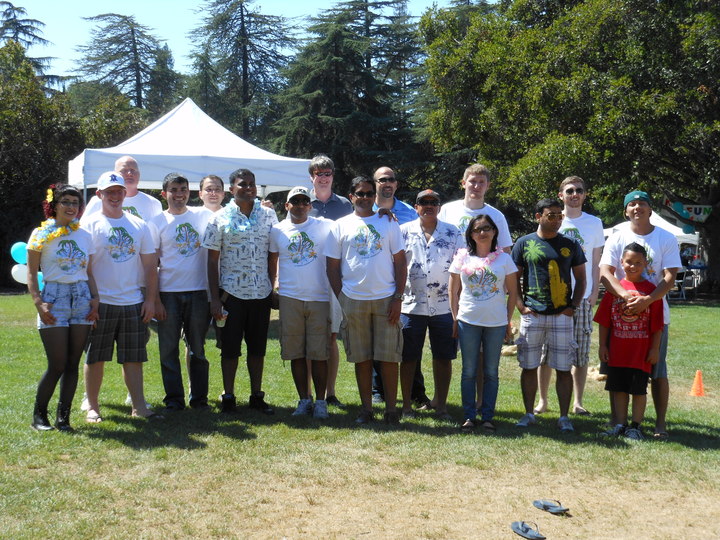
<point x="588" y="231"/>
<point x="546" y="260"/>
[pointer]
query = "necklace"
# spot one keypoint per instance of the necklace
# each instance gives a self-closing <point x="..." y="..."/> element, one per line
<point x="469" y="267"/>
<point x="49" y="231"/>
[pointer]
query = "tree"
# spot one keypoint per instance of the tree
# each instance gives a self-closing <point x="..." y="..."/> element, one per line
<point x="121" y="51"/>
<point x="164" y="85"/>
<point x="625" y="91"/>
<point x="37" y="137"/>
<point x="15" y="26"/>
<point x="250" y="51"/>
<point x="203" y="84"/>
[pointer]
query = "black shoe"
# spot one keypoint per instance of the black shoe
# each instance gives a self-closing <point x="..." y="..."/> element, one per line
<point x="62" y="422"/>
<point x="365" y="417"/>
<point x="333" y="401"/>
<point x="258" y="403"/>
<point x="227" y="403"/>
<point x="392" y="418"/>
<point x="422" y="402"/>
<point x="40" y="419"/>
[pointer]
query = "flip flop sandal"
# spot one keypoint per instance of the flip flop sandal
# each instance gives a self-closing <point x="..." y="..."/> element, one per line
<point x="661" y="436"/>
<point x="525" y="530"/>
<point x="549" y="505"/>
<point x="583" y="412"/>
<point x="488" y="426"/>
<point x="93" y="418"/>
<point x="467" y="426"/>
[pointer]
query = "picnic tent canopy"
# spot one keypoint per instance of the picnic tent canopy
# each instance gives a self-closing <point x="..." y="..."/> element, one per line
<point x="657" y="220"/>
<point x="188" y="141"/>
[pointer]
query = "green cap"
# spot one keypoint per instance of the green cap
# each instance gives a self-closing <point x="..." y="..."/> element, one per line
<point x="636" y="196"/>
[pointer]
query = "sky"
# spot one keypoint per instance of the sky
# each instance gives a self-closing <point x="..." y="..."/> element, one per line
<point x="169" y="20"/>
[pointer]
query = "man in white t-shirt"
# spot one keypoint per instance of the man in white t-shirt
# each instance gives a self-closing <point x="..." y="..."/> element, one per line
<point x="297" y="246"/>
<point x="476" y="182"/>
<point x="664" y="261"/>
<point x="367" y="270"/>
<point x="588" y="231"/>
<point x="182" y="304"/>
<point x="137" y="203"/>
<point x="124" y="259"/>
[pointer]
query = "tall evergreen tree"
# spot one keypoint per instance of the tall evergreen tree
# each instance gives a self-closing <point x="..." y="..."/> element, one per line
<point x="164" y="84"/>
<point x="203" y="83"/>
<point x="17" y="27"/>
<point x="121" y="51"/>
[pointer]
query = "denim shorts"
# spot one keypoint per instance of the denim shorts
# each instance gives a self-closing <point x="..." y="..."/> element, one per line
<point x="70" y="303"/>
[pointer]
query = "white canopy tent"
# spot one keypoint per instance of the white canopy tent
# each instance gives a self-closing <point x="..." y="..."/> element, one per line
<point x="657" y="220"/>
<point x="188" y="141"/>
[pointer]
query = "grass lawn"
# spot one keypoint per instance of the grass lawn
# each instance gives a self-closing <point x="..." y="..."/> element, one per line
<point x="206" y="475"/>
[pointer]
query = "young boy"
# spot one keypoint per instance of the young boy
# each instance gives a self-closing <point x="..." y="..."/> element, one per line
<point x="629" y="343"/>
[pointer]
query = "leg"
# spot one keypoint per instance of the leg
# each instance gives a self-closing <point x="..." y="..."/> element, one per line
<point x="621" y="407"/>
<point x="319" y="377"/>
<point x="300" y="377"/>
<point x="169" y="330"/>
<point x="528" y="385"/>
<point x="364" y="378"/>
<point x="55" y="341"/>
<point x="133" y="376"/>
<point x="389" y="372"/>
<point x="418" y="390"/>
<point x="660" y="389"/>
<point x="255" y="364"/>
<point x="544" y="376"/>
<point x="196" y="326"/>
<point x="93" y="380"/>
<point x="378" y="390"/>
<point x="480" y="379"/>
<point x="579" y="376"/>
<point x="333" y="365"/>
<point x="492" y="345"/>
<point x="442" y="374"/>
<point x="68" y="383"/>
<point x="582" y="328"/>
<point x="470" y="340"/>
<point x="407" y="373"/>
<point x="639" y="402"/>
<point x="229" y="369"/>
<point x="563" y="387"/>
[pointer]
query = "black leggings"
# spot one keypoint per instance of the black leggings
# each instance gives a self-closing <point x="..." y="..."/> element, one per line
<point x="64" y="347"/>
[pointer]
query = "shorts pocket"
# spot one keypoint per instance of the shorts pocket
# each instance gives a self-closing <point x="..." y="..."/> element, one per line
<point x="50" y="293"/>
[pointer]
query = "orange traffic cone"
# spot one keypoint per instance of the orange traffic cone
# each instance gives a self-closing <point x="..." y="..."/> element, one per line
<point x="697" y="388"/>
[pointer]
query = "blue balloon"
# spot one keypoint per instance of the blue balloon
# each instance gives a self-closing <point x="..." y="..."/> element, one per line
<point x="40" y="280"/>
<point x="688" y="229"/>
<point x="678" y="207"/>
<point x="19" y="252"/>
<point x="685" y="214"/>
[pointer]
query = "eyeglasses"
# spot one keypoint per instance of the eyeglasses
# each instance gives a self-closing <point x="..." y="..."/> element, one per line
<point x="299" y="202"/>
<point x="324" y="173"/>
<point x="366" y="194"/>
<point x="485" y="228"/>
<point x="386" y="179"/>
<point x="70" y="204"/>
<point x="573" y="191"/>
<point x="428" y="202"/>
<point x="552" y="216"/>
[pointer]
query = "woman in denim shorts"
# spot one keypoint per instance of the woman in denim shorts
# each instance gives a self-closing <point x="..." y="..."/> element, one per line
<point x="68" y="304"/>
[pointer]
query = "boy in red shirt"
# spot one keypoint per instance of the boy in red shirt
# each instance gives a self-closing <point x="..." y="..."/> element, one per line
<point x="629" y="343"/>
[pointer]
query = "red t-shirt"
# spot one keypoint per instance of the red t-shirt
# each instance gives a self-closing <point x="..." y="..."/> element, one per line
<point x="630" y="333"/>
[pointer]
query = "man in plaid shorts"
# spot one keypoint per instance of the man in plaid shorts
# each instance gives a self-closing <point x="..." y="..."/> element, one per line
<point x="546" y="260"/>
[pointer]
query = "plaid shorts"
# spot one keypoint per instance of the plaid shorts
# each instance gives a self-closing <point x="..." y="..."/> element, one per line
<point x="122" y="325"/>
<point x="554" y="330"/>
<point x="366" y="333"/>
<point x="582" y="329"/>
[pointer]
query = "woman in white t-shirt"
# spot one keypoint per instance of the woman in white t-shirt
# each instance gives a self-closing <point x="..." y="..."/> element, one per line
<point x="479" y="277"/>
<point x="68" y="303"/>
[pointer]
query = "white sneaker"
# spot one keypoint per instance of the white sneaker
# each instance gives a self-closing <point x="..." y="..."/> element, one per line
<point x="85" y="404"/>
<point x="565" y="424"/>
<point x="526" y="420"/>
<point x="320" y="409"/>
<point x="304" y="408"/>
<point x="128" y="401"/>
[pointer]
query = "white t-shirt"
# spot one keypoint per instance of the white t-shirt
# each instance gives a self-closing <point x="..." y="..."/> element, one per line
<point x="662" y="250"/>
<point x="482" y="299"/>
<point x="588" y="231"/>
<point x="456" y="213"/>
<point x="365" y="247"/>
<point x="116" y="264"/>
<point x="65" y="259"/>
<point x="301" y="258"/>
<point x="141" y="205"/>
<point x="183" y="260"/>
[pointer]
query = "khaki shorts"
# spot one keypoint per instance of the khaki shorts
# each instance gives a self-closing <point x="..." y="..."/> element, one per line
<point x="366" y="333"/>
<point x="304" y="329"/>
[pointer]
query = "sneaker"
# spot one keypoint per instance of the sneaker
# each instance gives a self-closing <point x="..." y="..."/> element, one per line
<point x="365" y="417"/>
<point x="304" y="408"/>
<point x="85" y="404"/>
<point x="526" y="420"/>
<point x="320" y="410"/>
<point x="615" y="431"/>
<point x="333" y="401"/>
<point x="565" y="424"/>
<point x="377" y="399"/>
<point x="227" y="403"/>
<point x="634" y="433"/>
<point x="258" y="403"/>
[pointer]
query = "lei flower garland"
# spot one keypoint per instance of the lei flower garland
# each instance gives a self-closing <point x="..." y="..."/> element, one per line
<point x="238" y="221"/>
<point x="49" y="231"/>
<point x="469" y="268"/>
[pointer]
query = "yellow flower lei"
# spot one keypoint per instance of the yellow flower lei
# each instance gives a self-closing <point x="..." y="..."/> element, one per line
<point x="49" y="231"/>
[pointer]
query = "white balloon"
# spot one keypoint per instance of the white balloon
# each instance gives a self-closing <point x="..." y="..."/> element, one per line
<point x="19" y="273"/>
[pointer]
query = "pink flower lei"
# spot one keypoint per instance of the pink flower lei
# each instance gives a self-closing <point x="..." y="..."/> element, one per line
<point x="479" y="264"/>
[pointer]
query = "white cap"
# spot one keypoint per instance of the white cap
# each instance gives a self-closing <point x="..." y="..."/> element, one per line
<point x="110" y="178"/>
<point x="298" y="190"/>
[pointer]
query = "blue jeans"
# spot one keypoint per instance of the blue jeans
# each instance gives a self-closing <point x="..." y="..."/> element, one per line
<point x="188" y="311"/>
<point x="491" y="338"/>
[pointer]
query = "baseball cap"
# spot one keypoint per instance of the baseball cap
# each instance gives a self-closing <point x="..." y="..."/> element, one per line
<point x="298" y="190"/>
<point x="636" y="196"/>
<point x="110" y="178"/>
<point x="427" y="193"/>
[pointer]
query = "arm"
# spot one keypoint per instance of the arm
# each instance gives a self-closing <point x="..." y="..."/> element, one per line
<point x="604" y="338"/>
<point x="595" y="292"/>
<point x="519" y="303"/>
<point x="214" y="283"/>
<point x="455" y="286"/>
<point x="578" y="290"/>
<point x="149" y="262"/>
<point x="638" y="304"/>
<point x="334" y="274"/>
<point x="94" y="313"/>
<point x="160" y="311"/>
<point x="654" y="352"/>
<point x="43" y="309"/>
<point x="400" y="268"/>
<point x="612" y="284"/>
<point x="511" y="284"/>
<point x="273" y="269"/>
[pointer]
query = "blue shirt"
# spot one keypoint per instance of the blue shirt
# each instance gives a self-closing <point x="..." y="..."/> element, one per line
<point x="335" y="207"/>
<point x="403" y="211"/>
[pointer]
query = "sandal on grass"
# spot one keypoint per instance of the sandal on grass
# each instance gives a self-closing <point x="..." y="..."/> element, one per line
<point x="661" y="436"/>
<point x="488" y="426"/>
<point x="550" y="505"/>
<point x="93" y="417"/>
<point x="468" y="426"/>
<point x="525" y="530"/>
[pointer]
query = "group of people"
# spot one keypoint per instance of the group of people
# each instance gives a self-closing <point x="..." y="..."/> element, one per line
<point x="380" y="273"/>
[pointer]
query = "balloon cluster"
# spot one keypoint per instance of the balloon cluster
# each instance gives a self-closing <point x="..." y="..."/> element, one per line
<point x="680" y="210"/>
<point x="18" y="252"/>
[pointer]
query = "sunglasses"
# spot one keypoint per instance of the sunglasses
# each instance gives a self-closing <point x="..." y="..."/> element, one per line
<point x="428" y="202"/>
<point x="299" y="202"/>
<point x="553" y="216"/>
<point x="366" y="194"/>
<point x="484" y="228"/>
<point x="386" y="179"/>
<point x="573" y="191"/>
<point x="324" y="173"/>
